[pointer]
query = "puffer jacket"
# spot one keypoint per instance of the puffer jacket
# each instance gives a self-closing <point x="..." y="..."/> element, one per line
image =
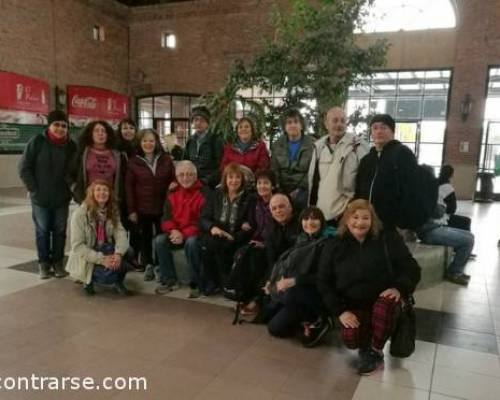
<point x="255" y="157"/>
<point x="182" y="210"/>
<point x="146" y="186"/>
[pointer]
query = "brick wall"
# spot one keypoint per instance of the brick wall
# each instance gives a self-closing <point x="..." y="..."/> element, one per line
<point x="52" y="40"/>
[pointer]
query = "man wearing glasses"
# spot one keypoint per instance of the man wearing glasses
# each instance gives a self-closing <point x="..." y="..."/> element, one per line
<point x="45" y="170"/>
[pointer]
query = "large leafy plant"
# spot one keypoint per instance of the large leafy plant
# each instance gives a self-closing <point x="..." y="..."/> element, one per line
<point x="313" y="53"/>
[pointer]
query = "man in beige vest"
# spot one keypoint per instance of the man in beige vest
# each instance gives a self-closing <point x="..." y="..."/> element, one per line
<point x="334" y="164"/>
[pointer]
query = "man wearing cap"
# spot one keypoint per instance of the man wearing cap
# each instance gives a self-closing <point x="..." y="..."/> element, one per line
<point x="44" y="169"/>
<point x="334" y="166"/>
<point x="378" y="172"/>
<point x="204" y="149"/>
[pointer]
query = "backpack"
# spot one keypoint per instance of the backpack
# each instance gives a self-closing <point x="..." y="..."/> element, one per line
<point x="244" y="279"/>
<point x="418" y="191"/>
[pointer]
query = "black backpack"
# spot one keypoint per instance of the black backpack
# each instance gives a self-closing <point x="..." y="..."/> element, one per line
<point x="418" y="196"/>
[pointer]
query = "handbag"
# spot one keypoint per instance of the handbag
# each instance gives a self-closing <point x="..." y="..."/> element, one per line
<point x="404" y="325"/>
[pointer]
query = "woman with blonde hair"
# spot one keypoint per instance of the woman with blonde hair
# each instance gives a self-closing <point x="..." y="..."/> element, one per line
<point x="98" y="241"/>
<point x="364" y="274"/>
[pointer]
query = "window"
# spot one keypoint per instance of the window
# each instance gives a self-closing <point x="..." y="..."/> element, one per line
<point x="98" y="33"/>
<point x="490" y="142"/>
<point x="168" y="40"/>
<point x="409" y="15"/>
<point x="417" y="100"/>
<point x="168" y="114"/>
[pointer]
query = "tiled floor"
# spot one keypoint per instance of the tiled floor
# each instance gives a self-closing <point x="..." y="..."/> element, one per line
<point x="190" y="350"/>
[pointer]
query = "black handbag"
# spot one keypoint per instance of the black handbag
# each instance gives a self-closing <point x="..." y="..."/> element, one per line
<point x="404" y="331"/>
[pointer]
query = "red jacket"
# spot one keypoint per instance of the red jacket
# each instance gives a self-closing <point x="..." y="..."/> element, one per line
<point x="256" y="157"/>
<point x="182" y="210"/>
<point x="146" y="191"/>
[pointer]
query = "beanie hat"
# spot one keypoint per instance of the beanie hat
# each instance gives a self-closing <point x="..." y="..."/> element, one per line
<point x="201" y="111"/>
<point x="386" y="119"/>
<point x="56" y="115"/>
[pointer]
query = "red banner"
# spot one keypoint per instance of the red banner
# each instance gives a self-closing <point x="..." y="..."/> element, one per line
<point x="88" y="103"/>
<point x="21" y="93"/>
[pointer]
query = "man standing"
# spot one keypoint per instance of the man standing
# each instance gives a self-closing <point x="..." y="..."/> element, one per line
<point x="45" y="170"/>
<point x="204" y="149"/>
<point x="385" y="174"/>
<point x="290" y="158"/>
<point x="334" y="165"/>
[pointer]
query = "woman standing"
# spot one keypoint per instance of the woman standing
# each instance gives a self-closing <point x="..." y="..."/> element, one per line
<point x="148" y="177"/>
<point x="247" y="150"/>
<point x="127" y="137"/>
<point x="363" y="276"/>
<point x="97" y="159"/>
<point x="98" y="241"/>
<point x="224" y="228"/>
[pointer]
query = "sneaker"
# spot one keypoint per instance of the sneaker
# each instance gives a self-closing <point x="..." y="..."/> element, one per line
<point x="370" y="362"/>
<point x="466" y="276"/>
<point x="44" y="271"/>
<point x="314" y="332"/>
<point x="458" y="279"/>
<point x="194" y="293"/>
<point x="149" y="273"/>
<point x="59" y="271"/>
<point x="89" y="289"/>
<point x="120" y="288"/>
<point x="162" y="289"/>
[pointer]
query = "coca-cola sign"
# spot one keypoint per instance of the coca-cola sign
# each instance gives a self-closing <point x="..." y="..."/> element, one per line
<point x="24" y="94"/>
<point x="88" y="103"/>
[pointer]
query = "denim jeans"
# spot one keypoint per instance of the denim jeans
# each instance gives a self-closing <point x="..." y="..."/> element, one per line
<point x="50" y="231"/>
<point x="164" y="247"/>
<point x="461" y="241"/>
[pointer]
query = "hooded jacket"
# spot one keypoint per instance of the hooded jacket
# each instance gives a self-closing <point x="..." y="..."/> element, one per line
<point x="337" y="167"/>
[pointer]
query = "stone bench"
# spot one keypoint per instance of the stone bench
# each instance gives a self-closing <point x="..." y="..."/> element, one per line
<point x="433" y="261"/>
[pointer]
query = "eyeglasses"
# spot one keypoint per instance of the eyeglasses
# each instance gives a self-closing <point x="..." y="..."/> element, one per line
<point x="60" y="124"/>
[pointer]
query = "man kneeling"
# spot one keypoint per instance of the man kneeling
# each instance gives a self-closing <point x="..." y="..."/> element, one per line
<point x="180" y="229"/>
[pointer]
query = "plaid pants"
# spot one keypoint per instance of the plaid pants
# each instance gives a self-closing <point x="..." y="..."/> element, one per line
<point x="376" y="325"/>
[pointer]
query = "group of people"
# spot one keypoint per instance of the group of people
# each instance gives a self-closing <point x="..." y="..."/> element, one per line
<point x="312" y="223"/>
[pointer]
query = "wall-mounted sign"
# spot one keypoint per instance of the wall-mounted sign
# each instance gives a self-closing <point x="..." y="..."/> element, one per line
<point x="87" y="103"/>
<point x="23" y="100"/>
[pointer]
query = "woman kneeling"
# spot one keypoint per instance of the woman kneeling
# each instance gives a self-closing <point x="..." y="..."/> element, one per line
<point x="363" y="275"/>
<point x="98" y="241"/>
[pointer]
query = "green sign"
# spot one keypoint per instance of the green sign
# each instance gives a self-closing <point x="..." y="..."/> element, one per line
<point x="14" y="137"/>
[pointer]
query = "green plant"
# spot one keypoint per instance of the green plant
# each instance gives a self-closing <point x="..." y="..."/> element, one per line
<point x="312" y="54"/>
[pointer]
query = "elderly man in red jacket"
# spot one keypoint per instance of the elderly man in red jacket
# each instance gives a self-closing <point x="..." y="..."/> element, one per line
<point x="180" y="229"/>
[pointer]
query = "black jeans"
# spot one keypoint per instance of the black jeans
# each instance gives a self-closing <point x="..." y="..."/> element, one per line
<point x="301" y="303"/>
<point x="217" y="259"/>
<point x="144" y="231"/>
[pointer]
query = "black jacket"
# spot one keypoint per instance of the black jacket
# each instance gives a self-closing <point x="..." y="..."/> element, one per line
<point x="279" y="238"/>
<point x="206" y="157"/>
<point x="380" y="179"/>
<point x="212" y="211"/>
<point x="45" y="170"/>
<point x="351" y="275"/>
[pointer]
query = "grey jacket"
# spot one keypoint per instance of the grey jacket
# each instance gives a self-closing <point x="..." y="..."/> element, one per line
<point x="291" y="175"/>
